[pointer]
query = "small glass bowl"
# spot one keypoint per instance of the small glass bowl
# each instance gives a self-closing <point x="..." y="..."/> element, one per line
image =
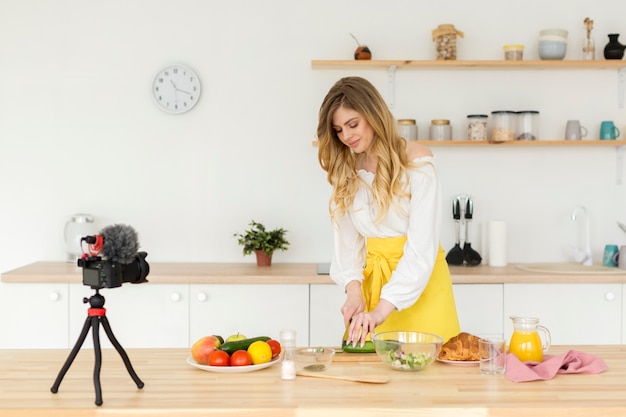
<point x="313" y="359"/>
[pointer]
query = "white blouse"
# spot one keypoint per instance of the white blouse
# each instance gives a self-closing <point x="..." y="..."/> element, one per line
<point x="417" y="217"/>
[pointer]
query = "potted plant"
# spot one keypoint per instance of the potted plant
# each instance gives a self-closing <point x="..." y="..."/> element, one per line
<point x="262" y="242"/>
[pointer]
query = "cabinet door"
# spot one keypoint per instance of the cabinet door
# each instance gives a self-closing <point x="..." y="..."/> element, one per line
<point x="33" y="315"/>
<point x="575" y="314"/>
<point x="326" y="323"/>
<point x="480" y="308"/>
<point x="141" y="315"/>
<point x="253" y="310"/>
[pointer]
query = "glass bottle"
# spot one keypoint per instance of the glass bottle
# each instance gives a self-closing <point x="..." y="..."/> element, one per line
<point x="288" y="344"/>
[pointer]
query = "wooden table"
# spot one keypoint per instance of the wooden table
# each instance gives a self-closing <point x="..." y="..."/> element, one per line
<point x="174" y="388"/>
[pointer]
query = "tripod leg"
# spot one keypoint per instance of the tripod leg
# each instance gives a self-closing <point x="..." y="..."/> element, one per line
<point x="120" y="350"/>
<point x="95" y="327"/>
<point x="72" y="355"/>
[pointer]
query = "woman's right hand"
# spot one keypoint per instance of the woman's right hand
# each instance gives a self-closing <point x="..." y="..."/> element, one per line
<point x="355" y="303"/>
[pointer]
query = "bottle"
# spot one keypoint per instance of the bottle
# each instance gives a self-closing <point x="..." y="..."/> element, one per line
<point x="288" y="344"/>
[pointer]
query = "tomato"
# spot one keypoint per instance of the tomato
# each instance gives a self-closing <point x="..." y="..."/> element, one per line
<point x="219" y="358"/>
<point x="240" y="358"/>
<point x="275" y="345"/>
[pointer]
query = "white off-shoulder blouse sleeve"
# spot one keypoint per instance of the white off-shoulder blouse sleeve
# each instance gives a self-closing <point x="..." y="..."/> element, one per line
<point x="417" y="217"/>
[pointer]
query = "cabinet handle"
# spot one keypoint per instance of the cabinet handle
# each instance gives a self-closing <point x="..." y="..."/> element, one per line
<point x="609" y="296"/>
<point x="54" y="296"/>
<point x="202" y="297"/>
<point x="175" y="297"/>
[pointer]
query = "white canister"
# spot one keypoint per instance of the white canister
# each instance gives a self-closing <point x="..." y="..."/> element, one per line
<point x="77" y="227"/>
<point x="407" y="129"/>
<point x="497" y="243"/>
<point x="440" y="129"/>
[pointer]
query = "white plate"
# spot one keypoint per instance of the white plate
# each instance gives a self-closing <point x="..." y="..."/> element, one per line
<point x="232" y="369"/>
<point x="459" y="363"/>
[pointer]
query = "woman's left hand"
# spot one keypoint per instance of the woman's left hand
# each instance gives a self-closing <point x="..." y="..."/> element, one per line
<point x="365" y="323"/>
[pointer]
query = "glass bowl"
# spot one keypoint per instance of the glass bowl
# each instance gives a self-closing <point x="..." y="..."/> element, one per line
<point x="407" y="351"/>
<point x="313" y="359"/>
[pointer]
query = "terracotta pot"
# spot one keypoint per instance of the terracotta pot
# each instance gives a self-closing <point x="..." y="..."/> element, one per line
<point x="262" y="259"/>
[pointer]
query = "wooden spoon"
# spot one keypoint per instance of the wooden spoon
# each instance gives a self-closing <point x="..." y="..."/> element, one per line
<point x="371" y="379"/>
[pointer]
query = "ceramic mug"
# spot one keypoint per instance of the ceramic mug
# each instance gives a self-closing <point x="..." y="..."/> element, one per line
<point x="620" y="258"/>
<point x="610" y="254"/>
<point x="608" y="130"/>
<point x="574" y="131"/>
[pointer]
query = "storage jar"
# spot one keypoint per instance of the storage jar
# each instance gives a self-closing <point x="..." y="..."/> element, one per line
<point x="407" y="129"/>
<point x="503" y="125"/>
<point x="477" y="127"/>
<point x="440" y="129"/>
<point x="513" y="52"/>
<point x="527" y="125"/>
<point x="445" y="41"/>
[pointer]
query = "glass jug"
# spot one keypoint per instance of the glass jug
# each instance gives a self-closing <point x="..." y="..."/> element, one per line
<point x="526" y="343"/>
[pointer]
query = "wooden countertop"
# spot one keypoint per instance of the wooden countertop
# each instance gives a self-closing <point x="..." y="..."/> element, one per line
<point x="174" y="388"/>
<point x="286" y="273"/>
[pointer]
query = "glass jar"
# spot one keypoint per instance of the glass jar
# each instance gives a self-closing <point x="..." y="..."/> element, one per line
<point x="513" y="52"/>
<point x="527" y="125"/>
<point x="477" y="127"/>
<point x="288" y="364"/>
<point x="445" y="41"/>
<point x="407" y="129"/>
<point x="503" y="125"/>
<point x="440" y="129"/>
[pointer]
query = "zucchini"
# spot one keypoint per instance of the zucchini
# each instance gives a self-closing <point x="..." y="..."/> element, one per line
<point x="232" y="347"/>
<point x="368" y="347"/>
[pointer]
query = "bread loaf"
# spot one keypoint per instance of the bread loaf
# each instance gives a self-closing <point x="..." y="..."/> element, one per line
<point x="462" y="347"/>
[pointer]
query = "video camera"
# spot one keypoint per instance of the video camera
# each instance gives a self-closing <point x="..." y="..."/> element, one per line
<point x="120" y="261"/>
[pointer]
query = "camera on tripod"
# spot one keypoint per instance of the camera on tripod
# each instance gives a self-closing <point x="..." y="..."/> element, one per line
<point x="99" y="273"/>
<point x="120" y="262"/>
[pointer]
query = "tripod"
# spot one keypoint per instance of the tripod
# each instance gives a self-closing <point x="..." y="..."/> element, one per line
<point x="96" y="315"/>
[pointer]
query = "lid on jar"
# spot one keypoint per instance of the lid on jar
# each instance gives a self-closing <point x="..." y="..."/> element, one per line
<point x="528" y="112"/>
<point x="406" y="121"/>
<point x="503" y="112"/>
<point x="440" y="121"/>
<point x="513" y="47"/>
<point x="477" y="116"/>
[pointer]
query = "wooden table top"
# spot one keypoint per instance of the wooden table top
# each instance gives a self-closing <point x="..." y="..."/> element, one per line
<point x="174" y="388"/>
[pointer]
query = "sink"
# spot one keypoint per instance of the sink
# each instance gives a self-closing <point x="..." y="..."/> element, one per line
<point x="569" y="268"/>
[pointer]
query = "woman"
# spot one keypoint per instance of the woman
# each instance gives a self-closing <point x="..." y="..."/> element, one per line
<point x="385" y="208"/>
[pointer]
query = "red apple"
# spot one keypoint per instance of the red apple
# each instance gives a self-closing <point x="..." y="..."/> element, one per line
<point x="201" y="350"/>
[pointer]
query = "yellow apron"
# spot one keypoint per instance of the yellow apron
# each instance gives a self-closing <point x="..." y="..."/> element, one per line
<point x="433" y="312"/>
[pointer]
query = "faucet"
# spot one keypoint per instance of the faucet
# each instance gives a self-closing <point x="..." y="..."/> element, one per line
<point x="583" y="256"/>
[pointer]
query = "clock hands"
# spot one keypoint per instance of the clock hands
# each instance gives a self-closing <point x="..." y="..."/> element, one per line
<point x="178" y="89"/>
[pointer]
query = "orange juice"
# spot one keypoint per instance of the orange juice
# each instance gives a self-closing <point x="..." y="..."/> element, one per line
<point x="526" y="346"/>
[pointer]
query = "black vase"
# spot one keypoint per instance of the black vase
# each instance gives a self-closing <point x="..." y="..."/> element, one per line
<point x="614" y="49"/>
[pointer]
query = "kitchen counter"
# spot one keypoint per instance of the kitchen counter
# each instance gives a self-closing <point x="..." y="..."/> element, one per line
<point x="286" y="273"/>
<point x="174" y="388"/>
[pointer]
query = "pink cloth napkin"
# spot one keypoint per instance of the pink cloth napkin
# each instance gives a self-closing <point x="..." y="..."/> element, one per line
<point x="570" y="362"/>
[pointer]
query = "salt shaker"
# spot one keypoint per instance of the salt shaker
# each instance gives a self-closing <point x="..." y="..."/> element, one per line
<point x="288" y="343"/>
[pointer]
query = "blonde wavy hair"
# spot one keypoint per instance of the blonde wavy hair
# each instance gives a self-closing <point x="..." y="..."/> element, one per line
<point x="338" y="160"/>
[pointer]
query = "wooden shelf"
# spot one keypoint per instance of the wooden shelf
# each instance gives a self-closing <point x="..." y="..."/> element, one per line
<point x="531" y="143"/>
<point x="471" y="65"/>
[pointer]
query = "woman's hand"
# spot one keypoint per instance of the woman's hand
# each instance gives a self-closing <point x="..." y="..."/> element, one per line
<point x="355" y="303"/>
<point x="364" y="323"/>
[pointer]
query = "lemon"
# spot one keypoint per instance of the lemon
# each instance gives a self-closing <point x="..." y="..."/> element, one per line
<point x="260" y="351"/>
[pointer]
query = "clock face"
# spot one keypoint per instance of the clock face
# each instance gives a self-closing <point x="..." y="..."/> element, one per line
<point x="176" y="89"/>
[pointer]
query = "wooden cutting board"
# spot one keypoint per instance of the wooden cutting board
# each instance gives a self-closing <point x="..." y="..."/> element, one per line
<point x="355" y="357"/>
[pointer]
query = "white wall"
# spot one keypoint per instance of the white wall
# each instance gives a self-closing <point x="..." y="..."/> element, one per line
<point x="79" y="131"/>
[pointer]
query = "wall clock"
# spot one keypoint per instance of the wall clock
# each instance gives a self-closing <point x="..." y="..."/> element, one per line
<point x="176" y="89"/>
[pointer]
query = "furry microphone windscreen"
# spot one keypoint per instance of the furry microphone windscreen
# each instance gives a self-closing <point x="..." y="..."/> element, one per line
<point x="121" y="243"/>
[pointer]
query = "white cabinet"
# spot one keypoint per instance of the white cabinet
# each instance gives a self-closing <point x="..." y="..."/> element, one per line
<point x="141" y="315"/>
<point x="575" y="314"/>
<point x="480" y="308"/>
<point x="250" y="309"/>
<point x="624" y="314"/>
<point x="326" y="322"/>
<point x="33" y="315"/>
